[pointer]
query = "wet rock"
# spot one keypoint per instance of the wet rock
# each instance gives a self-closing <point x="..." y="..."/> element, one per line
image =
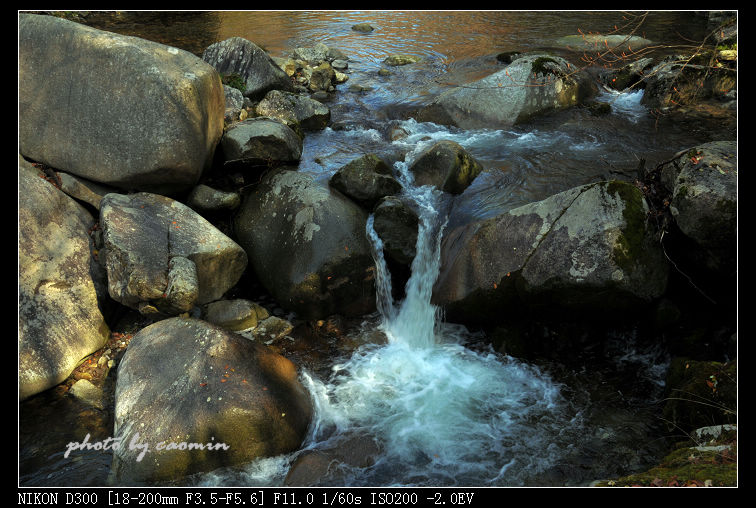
<point x="447" y="166"/>
<point x="254" y="66"/>
<point x="59" y="319"/>
<point x="121" y="111"/>
<point x="366" y="180"/>
<point x="157" y="249"/>
<point x="531" y="85"/>
<point x="396" y="225"/>
<point x="261" y="141"/>
<point x="206" y="385"/>
<point x="325" y="466"/>
<point x="307" y="245"/>
<point x="586" y="249"/>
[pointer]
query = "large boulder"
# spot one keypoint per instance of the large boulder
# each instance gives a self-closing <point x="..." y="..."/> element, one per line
<point x="187" y="381"/>
<point x="705" y="202"/>
<point x="164" y="258"/>
<point x="531" y="85"/>
<point x="308" y="246"/>
<point x="241" y="57"/>
<point x="588" y="249"/>
<point x="59" y="321"/>
<point x="447" y="166"/>
<point x="113" y="109"/>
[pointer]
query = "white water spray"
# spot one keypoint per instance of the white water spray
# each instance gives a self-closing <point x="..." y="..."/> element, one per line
<point x="440" y="413"/>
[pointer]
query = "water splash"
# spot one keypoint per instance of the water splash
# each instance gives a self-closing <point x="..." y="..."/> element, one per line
<point x="442" y="413"/>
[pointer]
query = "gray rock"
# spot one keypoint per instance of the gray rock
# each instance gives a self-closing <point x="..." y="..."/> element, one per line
<point x="396" y="225"/>
<point x="307" y="246"/>
<point x="82" y="189"/>
<point x="312" y="55"/>
<point x="88" y="393"/>
<point x="144" y="233"/>
<point x="531" y="85"/>
<point x="117" y="110"/>
<point x="59" y="320"/>
<point x="585" y="250"/>
<point x="234" y="102"/>
<point x="366" y="180"/>
<point x="239" y="56"/>
<point x="705" y="201"/>
<point x="235" y="315"/>
<point x="294" y="109"/>
<point x="269" y="330"/>
<point x="447" y="166"/>
<point x="206" y="199"/>
<point x="185" y="380"/>
<point x="260" y="141"/>
<point x="322" y="77"/>
<point x="599" y="42"/>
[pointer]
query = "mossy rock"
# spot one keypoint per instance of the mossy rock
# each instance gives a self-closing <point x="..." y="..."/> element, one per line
<point x="687" y="467"/>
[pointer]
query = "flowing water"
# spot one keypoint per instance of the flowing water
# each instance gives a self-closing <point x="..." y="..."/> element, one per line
<point x="439" y="411"/>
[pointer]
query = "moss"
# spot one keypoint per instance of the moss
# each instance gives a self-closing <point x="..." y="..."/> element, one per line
<point x="687" y="466"/>
<point x="539" y="66"/>
<point x="630" y="246"/>
<point x="234" y="81"/>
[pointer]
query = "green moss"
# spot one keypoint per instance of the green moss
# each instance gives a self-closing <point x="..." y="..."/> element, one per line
<point x="687" y="465"/>
<point x="630" y="246"/>
<point x="234" y="81"/>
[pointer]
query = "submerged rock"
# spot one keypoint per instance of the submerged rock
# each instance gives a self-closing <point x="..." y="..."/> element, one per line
<point x="187" y="381"/>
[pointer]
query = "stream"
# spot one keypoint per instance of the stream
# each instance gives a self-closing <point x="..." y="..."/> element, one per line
<point x="444" y="408"/>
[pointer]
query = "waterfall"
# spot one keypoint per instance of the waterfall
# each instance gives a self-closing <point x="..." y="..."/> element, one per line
<point x="441" y="413"/>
